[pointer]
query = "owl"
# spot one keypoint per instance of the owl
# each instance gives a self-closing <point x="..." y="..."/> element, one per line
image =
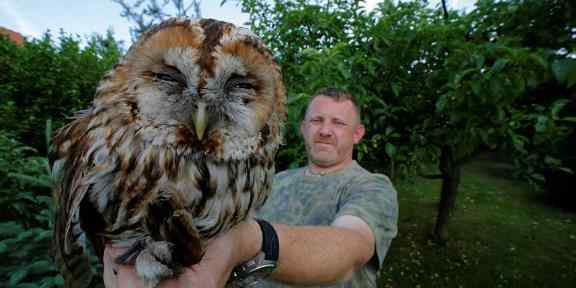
<point x="177" y="147"/>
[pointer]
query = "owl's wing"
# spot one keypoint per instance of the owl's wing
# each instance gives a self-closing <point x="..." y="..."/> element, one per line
<point x="70" y="170"/>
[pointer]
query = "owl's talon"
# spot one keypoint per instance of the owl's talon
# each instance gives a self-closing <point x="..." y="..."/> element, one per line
<point x="151" y="264"/>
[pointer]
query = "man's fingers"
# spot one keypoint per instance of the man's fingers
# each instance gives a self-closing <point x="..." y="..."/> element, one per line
<point x="115" y="275"/>
<point x="110" y="270"/>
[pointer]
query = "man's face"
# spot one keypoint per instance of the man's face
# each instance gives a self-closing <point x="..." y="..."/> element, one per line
<point x="330" y="130"/>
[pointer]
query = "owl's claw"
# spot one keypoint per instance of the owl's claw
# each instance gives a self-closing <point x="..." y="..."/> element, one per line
<point x="152" y="263"/>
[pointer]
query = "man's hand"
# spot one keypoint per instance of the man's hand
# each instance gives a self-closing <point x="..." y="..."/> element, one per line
<point x="199" y="275"/>
<point x="222" y="255"/>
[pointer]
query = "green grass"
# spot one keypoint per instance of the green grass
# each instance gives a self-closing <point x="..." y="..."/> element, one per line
<point x="502" y="234"/>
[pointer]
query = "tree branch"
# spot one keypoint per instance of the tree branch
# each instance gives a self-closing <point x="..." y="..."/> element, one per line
<point x="154" y="11"/>
<point x="445" y="9"/>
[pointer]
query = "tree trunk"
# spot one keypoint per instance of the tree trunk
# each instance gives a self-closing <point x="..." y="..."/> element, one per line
<point x="445" y="9"/>
<point x="450" y="170"/>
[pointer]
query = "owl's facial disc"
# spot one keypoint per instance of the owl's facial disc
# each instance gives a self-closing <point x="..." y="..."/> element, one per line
<point x="214" y="89"/>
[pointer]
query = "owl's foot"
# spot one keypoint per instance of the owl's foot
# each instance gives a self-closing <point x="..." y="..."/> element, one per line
<point x="152" y="265"/>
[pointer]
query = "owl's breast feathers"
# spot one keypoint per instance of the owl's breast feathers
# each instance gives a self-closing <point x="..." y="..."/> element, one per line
<point x="123" y="180"/>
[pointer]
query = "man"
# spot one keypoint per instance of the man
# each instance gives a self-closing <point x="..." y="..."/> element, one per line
<point x="332" y="220"/>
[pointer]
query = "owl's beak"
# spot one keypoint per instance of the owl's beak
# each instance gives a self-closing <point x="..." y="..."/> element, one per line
<point x="200" y="120"/>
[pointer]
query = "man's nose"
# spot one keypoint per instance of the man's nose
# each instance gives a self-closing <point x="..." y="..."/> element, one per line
<point x="325" y="130"/>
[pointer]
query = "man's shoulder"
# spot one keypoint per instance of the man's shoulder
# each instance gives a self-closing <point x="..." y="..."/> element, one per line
<point x="286" y="175"/>
<point x="361" y="175"/>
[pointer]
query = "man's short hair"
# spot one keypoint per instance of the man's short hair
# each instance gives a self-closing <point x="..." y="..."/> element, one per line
<point x="337" y="95"/>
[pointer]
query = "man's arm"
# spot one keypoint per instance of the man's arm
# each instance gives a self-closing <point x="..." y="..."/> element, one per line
<point x="313" y="255"/>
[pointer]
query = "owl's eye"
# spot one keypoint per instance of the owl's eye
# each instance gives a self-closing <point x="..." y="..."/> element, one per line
<point x="243" y="85"/>
<point x="163" y="77"/>
<point x="239" y="82"/>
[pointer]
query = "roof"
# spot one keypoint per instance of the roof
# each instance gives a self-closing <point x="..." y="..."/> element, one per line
<point x="14" y="36"/>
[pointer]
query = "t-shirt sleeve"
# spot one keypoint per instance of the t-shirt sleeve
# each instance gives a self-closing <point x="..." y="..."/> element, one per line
<point x="373" y="199"/>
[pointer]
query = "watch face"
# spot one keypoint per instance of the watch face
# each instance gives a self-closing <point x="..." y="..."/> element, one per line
<point x="251" y="277"/>
<point x="254" y="269"/>
<point x="263" y="269"/>
<point x="250" y="282"/>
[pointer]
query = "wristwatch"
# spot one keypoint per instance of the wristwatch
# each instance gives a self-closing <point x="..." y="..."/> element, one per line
<point x="249" y="273"/>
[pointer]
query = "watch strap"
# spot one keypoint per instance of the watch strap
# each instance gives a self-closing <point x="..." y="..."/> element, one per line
<point x="270" y="242"/>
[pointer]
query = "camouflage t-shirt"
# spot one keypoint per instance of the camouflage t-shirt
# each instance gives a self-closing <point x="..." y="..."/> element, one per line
<point x="301" y="198"/>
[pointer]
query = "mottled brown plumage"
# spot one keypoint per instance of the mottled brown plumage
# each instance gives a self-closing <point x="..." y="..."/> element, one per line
<point x="177" y="147"/>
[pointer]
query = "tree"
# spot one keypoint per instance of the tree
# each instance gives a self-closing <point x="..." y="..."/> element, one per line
<point x="144" y="14"/>
<point x="45" y="79"/>
<point x="436" y="86"/>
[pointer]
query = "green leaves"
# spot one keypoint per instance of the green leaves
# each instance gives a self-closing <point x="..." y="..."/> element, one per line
<point x="442" y="102"/>
<point x="565" y="71"/>
<point x="499" y="65"/>
<point x="545" y="148"/>
<point x="390" y="150"/>
<point x="25" y="217"/>
<point x="48" y="78"/>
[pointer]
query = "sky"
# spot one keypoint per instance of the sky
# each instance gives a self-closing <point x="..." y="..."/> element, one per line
<point x="34" y="17"/>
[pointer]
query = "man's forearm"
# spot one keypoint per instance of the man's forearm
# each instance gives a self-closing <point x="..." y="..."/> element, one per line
<point x="309" y="255"/>
<point x="319" y="254"/>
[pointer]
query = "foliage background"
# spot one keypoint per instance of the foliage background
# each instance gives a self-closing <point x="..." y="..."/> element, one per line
<point x="42" y="83"/>
<point x="500" y="78"/>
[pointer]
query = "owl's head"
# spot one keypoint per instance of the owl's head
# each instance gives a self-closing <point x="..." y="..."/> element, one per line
<point x="201" y="85"/>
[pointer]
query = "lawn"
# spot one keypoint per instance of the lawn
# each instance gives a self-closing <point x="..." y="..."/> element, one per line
<point x="502" y="234"/>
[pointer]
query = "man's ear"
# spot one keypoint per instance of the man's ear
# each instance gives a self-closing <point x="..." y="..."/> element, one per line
<point x="359" y="132"/>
